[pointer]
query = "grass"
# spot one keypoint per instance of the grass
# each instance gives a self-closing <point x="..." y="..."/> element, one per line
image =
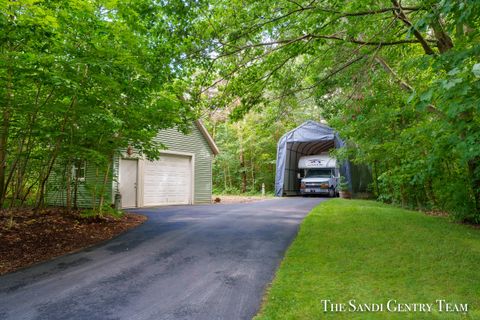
<point x="371" y="252"/>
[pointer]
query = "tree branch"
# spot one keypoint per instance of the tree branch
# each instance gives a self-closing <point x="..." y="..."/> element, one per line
<point x="368" y="12"/>
<point x="398" y="12"/>
<point x="310" y="7"/>
<point x="327" y="37"/>
<point x="328" y="76"/>
<point x="263" y="44"/>
<point x="366" y="43"/>
<point x="431" y="108"/>
<point x="389" y="70"/>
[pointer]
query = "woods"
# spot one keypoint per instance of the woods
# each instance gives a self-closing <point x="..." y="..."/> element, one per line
<point x="399" y="80"/>
<point x="249" y="146"/>
<point x="138" y="159"/>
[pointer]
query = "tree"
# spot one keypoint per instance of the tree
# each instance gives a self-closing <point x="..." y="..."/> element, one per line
<point x="399" y="80"/>
<point x="83" y="79"/>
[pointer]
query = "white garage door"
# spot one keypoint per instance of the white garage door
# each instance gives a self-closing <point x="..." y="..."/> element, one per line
<point x="167" y="180"/>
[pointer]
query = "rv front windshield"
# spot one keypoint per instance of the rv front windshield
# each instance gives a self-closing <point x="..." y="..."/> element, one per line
<point x="318" y="173"/>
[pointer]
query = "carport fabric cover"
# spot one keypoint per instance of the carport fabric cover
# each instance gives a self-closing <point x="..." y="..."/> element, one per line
<point x="309" y="138"/>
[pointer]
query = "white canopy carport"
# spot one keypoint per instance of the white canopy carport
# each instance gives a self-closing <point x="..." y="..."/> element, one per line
<point x="310" y="138"/>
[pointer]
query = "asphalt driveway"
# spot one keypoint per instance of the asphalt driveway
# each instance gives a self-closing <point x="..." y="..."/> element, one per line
<point x="196" y="262"/>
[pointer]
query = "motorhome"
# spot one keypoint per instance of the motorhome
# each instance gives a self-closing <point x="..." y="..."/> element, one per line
<point x="319" y="174"/>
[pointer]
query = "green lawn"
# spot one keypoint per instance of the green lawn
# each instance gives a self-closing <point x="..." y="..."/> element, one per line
<point x="370" y="252"/>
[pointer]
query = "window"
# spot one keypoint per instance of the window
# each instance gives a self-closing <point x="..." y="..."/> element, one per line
<point x="319" y="173"/>
<point x="78" y="170"/>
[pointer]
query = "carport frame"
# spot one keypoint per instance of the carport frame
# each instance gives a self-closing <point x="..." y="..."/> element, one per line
<point x="308" y="132"/>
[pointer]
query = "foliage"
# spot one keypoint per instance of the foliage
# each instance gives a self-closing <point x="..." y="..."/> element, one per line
<point x="105" y="211"/>
<point x="343" y="185"/>
<point x="399" y="80"/>
<point x="249" y="147"/>
<point x="373" y="252"/>
<point x="82" y="80"/>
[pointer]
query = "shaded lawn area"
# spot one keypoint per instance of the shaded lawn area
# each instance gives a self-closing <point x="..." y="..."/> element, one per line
<point x="373" y="252"/>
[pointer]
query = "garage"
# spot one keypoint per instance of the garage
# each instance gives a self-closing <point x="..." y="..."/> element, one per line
<point x="168" y="181"/>
<point x="182" y="175"/>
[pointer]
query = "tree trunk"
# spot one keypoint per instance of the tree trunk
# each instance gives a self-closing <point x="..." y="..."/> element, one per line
<point x="68" y="181"/>
<point x="75" y="190"/>
<point x="444" y="42"/>
<point x="243" y="171"/>
<point x="474" y="171"/>
<point x="27" y="192"/>
<point x="43" y="180"/>
<point x="21" y="183"/>
<point x="401" y="15"/>
<point x="3" y="154"/>
<point x="229" y="176"/>
<point x="94" y="192"/>
<point x="4" y="130"/>
<point x="19" y="165"/>
<point x="376" y="189"/>
<point x="102" y="194"/>
<point x="224" y="177"/>
<point x="252" y="165"/>
<point x="55" y="151"/>
<point x="403" y="195"/>
<point x="15" y="187"/>
<point x="430" y="193"/>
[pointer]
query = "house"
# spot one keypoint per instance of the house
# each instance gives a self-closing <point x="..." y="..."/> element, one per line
<point x="182" y="174"/>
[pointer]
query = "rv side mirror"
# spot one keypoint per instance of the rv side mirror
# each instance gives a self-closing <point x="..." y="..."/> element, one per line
<point x="299" y="175"/>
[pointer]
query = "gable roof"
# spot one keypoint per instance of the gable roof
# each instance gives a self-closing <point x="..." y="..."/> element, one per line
<point x="207" y="136"/>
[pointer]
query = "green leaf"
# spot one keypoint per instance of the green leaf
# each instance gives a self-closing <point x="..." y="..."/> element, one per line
<point x="411" y="97"/>
<point x="448" y="84"/>
<point x="426" y="96"/>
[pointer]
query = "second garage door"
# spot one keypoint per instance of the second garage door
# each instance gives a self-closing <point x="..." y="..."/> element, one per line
<point x="168" y="180"/>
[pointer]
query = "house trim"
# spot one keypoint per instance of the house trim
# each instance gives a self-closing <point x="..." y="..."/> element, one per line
<point x="208" y="137"/>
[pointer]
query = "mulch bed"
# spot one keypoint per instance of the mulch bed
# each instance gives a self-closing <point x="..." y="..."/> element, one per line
<point x="32" y="237"/>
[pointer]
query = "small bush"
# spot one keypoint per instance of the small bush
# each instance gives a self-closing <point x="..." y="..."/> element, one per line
<point x="105" y="211"/>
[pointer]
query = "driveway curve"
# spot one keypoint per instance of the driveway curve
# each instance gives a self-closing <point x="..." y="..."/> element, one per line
<point x="196" y="262"/>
